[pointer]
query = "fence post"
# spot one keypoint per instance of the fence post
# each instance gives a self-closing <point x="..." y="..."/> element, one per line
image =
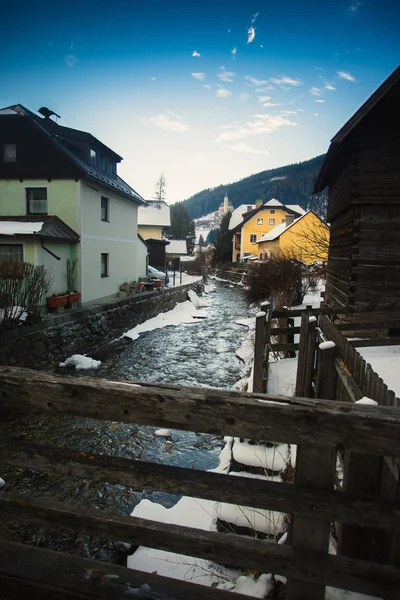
<point x="306" y="356"/>
<point x="325" y="386"/>
<point x="259" y="350"/>
<point x="267" y="308"/>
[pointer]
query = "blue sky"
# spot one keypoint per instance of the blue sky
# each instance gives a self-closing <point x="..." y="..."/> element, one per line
<point x="206" y="92"/>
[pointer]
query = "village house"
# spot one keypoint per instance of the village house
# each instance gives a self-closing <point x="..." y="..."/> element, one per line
<point x="61" y="199"/>
<point x="253" y="224"/>
<point x="305" y="238"/>
<point x="362" y="172"/>
<point x="153" y="223"/>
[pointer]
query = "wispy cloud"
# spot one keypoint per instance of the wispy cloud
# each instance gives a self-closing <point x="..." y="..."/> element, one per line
<point x="329" y="86"/>
<point x="244" y="96"/>
<point x="320" y="101"/>
<point x="315" y="115"/>
<point x="223" y="93"/>
<point x="354" y="7"/>
<point x="264" y="98"/>
<point x="70" y="60"/>
<point x="226" y="76"/>
<point x="199" y="76"/>
<point x="152" y="78"/>
<point x="257" y="82"/>
<point x="315" y="91"/>
<point x="168" y="123"/>
<point x="195" y="53"/>
<point x="289" y="112"/>
<point x="207" y="86"/>
<point x="259" y="125"/>
<point x="254" y="17"/>
<point x="282" y="81"/>
<point x="269" y="104"/>
<point x="196" y="159"/>
<point x="243" y="147"/>
<point x="233" y="52"/>
<point x="347" y="76"/>
<point x="251" y="34"/>
<point x="318" y="69"/>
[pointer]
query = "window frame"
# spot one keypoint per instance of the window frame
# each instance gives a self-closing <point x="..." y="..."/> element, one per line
<point x="271" y="222"/>
<point x="21" y="246"/>
<point x="92" y="156"/>
<point x="27" y="200"/>
<point x="253" y="235"/>
<point x="260" y="221"/>
<point x="272" y="211"/>
<point x="107" y="216"/>
<point x="10" y="158"/>
<point x="106" y="264"/>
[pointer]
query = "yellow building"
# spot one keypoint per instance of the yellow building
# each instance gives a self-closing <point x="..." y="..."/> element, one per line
<point x="254" y="224"/>
<point x="305" y="238"/>
<point x="152" y="219"/>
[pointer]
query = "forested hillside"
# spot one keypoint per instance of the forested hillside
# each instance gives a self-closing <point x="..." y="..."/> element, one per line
<point x="291" y="184"/>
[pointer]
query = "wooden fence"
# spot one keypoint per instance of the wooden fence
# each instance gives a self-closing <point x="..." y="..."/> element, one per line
<point x="316" y="426"/>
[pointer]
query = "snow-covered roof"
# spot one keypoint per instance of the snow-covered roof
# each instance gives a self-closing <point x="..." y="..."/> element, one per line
<point x="278" y="230"/>
<point x="296" y="208"/>
<point x="238" y="213"/>
<point x="156" y="213"/>
<point x="273" y="202"/>
<point x="176" y="247"/>
<point x="15" y="227"/>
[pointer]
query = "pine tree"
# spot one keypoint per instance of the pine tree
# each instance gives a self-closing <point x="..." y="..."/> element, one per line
<point x="161" y="185"/>
<point x="223" y="242"/>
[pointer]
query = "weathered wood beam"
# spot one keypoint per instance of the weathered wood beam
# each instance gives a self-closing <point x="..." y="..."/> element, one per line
<point x="256" y="493"/>
<point x="46" y="568"/>
<point x="375" y="342"/>
<point x="258" y="416"/>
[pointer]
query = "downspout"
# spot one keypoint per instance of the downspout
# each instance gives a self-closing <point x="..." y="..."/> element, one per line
<point x="53" y="254"/>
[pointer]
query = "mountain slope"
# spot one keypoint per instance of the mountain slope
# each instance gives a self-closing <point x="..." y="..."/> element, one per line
<point x="291" y="184"/>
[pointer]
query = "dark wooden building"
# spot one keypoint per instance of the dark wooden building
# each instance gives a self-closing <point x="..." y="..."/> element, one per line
<point x="362" y="172"/>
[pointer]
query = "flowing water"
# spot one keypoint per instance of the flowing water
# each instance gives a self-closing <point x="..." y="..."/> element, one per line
<point x="201" y="353"/>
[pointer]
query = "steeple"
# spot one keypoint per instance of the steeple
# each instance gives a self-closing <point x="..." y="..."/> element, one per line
<point x="226" y="203"/>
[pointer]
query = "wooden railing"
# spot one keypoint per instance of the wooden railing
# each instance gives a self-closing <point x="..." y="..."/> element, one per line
<point x="316" y="426"/>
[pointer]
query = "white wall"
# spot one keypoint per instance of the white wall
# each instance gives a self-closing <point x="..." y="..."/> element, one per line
<point x="117" y="238"/>
<point x="57" y="268"/>
<point x="141" y="257"/>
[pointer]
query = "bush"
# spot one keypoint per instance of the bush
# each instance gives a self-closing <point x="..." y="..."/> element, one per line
<point x="23" y="289"/>
<point x="279" y="279"/>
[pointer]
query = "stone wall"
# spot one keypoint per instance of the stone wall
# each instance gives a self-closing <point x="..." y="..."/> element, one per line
<point x="43" y="345"/>
<point x="234" y="276"/>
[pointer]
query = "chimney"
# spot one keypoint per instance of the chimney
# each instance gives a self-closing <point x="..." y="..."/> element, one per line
<point x="289" y="219"/>
<point x="259" y="203"/>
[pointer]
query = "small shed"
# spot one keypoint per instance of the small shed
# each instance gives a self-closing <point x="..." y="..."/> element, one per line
<point x="362" y="172"/>
<point x="175" y="251"/>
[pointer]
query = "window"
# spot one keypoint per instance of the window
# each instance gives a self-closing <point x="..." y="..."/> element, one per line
<point x="11" y="252"/>
<point x="92" y="156"/>
<point x="253" y="238"/>
<point x="272" y="211"/>
<point x="283" y="221"/>
<point x="9" y="153"/>
<point x="110" y="168"/>
<point x="260" y="221"/>
<point x="104" y="265"/>
<point x="271" y="221"/>
<point x="105" y="209"/>
<point x="36" y="201"/>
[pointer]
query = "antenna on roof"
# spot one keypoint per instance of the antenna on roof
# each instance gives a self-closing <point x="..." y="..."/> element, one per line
<point x="46" y="112"/>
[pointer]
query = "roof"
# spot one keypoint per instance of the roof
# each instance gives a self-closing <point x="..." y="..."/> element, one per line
<point x="337" y="142"/>
<point x="273" y="203"/>
<point x="236" y="216"/>
<point x="296" y="208"/>
<point x="155" y="213"/>
<point x="282" y="228"/>
<point x="59" y="136"/>
<point x="44" y="227"/>
<point x="177" y="247"/>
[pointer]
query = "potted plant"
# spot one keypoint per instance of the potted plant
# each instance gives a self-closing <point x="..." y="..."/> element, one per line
<point x="140" y="286"/>
<point x="157" y="283"/>
<point x="124" y="286"/>
<point x="73" y="297"/>
<point x="72" y="268"/>
<point x="57" y="300"/>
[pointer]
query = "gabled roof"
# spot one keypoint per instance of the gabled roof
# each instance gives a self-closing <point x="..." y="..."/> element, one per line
<point x="337" y="142"/>
<point x="277" y="231"/>
<point x="155" y="213"/>
<point x="273" y="203"/>
<point x="59" y="136"/>
<point x="43" y="227"/>
<point x="238" y="213"/>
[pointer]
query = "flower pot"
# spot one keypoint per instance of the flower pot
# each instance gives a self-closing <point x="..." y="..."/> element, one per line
<point x="74" y="297"/>
<point x="124" y="287"/>
<point x="140" y="286"/>
<point x="157" y="283"/>
<point x="56" y="301"/>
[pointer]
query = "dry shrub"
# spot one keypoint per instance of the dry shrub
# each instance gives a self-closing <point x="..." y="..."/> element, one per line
<point x="279" y="279"/>
<point x="23" y="288"/>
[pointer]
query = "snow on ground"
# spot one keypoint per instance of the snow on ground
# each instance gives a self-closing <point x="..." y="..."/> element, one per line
<point x="13" y="312"/>
<point x="385" y="360"/>
<point x="259" y="455"/>
<point x="81" y="361"/>
<point x="186" y="279"/>
<point x="184" y="312"/>
<point x="282" y="377"/>
<point x="209" y="287"/>
<point x="163" y="433"/>
<point x="196" y="300"/>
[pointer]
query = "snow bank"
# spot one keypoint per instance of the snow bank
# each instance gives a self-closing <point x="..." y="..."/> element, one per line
<point x="282" y="377"/>
<point x="196" y="300"/>
<point x="326" y="345"/>
<point x="259" y="455"/>
<point x="163" y="433"/>
<point x="209" y="288"/>
<point x="366" y="400"/>
<point x="14" y="312"/>
<point x="385" y="360"/>
<point x="250" y="586"/>
<point x="265" y="521"/>
<point x="184" y="312"/>
<point x="80" y="361"/>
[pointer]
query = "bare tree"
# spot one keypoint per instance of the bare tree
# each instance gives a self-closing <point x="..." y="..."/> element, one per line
<point x="313" y="242"/>
<point x="161" y="185"/>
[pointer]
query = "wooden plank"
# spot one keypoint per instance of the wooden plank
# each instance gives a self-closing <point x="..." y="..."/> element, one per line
<point x="267" y="307"/>
<point x="325" y="386"/>
<point x="54" y="575"/>
<point x="302" y="356"/>
<point x="375" y="342"/>
<point x="54" y="571"/>
<point x="256" y="493"/>
<point x="309" y="368"/>
<point x="352" y="389"/>
<point x="259" y="351"/>
<point x="282" y="347"/>
<point x="325" y="310"/>
<point x="277" y="330"/>
<point x="354" y="325"/>
<point x="204" y="410"/>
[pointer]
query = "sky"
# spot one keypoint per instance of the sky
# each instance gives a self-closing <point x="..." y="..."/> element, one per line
<point x="207" y="92"/>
